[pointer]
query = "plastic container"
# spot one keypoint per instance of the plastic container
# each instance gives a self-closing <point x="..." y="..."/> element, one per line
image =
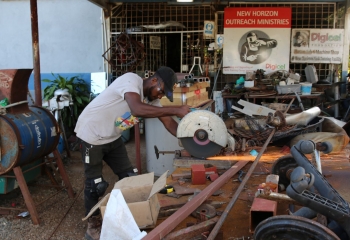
<point x="288" y="89"/>
<point x="306" y="88"/>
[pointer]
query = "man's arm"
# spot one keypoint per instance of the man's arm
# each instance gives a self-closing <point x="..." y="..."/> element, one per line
<point x="170" y="124"/>
<point x="140" y="109"/>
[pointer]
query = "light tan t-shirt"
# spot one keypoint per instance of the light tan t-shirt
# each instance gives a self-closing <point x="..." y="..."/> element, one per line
<point x="104" y="119"/>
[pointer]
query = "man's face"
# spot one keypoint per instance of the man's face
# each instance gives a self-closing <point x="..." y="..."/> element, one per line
<point x="252" y="42"/>
<point x="156" y="91"/>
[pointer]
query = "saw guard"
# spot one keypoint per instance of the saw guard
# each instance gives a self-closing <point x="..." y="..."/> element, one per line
<point x="207" y="121"/>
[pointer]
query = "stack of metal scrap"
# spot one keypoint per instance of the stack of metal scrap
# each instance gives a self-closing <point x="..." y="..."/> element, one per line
<point x="254" y="130"/>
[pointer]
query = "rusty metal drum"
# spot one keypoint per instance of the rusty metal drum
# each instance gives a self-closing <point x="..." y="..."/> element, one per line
<point x="27" y="136"/>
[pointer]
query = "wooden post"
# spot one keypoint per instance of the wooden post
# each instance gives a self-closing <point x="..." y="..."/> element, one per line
<point x="26" y="195"/>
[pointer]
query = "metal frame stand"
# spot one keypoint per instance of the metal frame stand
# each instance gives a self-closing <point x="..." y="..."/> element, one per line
<point x="25" y="191"/>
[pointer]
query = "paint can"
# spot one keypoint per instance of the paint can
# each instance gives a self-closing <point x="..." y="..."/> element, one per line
<point x="306" y="88"/>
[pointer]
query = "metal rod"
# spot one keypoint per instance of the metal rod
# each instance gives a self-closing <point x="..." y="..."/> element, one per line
<point x="218" y="225"/>
<point x="275" y="197"/>
<point x="52" y="195"/>
<point x="36" y="55"/>
<point x="171" y="222"/>
<point x="14" y="104"/>
<point x="63" y="173"/>
<point x="27" y="170"/>
<point x="14" y="209"/>
<point x="137" y="146"/>
<point x="71" y="205"/>
<point x="285" y="112"/>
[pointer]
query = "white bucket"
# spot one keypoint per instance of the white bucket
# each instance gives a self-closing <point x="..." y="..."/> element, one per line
<point x="306" y="88"/>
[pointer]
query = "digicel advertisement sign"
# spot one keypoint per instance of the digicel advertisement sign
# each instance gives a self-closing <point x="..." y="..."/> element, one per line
<point x="278" y="17"/>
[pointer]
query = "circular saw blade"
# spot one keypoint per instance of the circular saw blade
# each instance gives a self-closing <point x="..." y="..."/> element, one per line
<point x="198" y="150"/>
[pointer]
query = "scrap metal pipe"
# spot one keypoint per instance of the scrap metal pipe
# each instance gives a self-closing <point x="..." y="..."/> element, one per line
<point x="171" y="222"/>
<point x="218" y="225"/>
<point x="36" y="55"/>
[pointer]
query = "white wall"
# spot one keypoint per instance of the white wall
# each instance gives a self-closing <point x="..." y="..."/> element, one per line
<point x="70" y="36"/>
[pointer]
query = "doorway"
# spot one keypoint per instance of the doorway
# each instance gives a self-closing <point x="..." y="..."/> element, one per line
<point x="173" y="53"/>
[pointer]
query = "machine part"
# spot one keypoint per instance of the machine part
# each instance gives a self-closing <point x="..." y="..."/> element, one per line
<point x="204" y="212"/>
<point x="283" y="167"/>
<point x="325" y="147"/>
<point x="200" y="151"/>
<point x="331" y="133"/>
<point x="306" y="147"/>
<point x="162" y="152"/>
<point x="303" y="118"/>
<point x="26" y="136"/>
<point x="268" y="194"/>
<point x="300" y="180"/>
<point x="276" y="119"/>
<point x="328" y="202"/>
<point x="292" y="228"/>
<point x="306" y="213"/>
<point x="202" y="133"/>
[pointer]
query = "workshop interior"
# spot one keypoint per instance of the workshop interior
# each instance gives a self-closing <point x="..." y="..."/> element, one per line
<point x="265" y="147"/>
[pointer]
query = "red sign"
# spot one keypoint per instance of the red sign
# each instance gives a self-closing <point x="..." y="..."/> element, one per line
<point x="264" y="17"/>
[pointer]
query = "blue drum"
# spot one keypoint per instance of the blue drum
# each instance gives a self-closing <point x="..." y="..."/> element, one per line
<point x="25" y="137"/>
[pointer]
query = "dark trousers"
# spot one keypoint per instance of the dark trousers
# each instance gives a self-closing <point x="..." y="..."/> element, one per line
<point x="116" y="157"/>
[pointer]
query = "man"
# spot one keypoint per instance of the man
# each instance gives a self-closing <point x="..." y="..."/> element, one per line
<point x="299" y="40"/>
<point x="101" y="123"/>
<point x="256" y="50"/>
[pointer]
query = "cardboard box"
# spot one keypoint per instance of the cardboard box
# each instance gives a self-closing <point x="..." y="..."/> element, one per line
<point x="140" y="195"/>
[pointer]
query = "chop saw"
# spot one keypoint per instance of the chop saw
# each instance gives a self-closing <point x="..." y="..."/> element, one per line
<point x="202" y="134"/>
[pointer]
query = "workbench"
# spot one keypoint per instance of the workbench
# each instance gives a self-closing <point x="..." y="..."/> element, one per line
<point x="335" y="167"/>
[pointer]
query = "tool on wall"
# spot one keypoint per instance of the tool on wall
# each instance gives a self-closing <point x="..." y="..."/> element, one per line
<point x="196" y="61"/>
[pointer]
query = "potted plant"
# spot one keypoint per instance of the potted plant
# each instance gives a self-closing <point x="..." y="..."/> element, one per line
<point x="79" y="91"/>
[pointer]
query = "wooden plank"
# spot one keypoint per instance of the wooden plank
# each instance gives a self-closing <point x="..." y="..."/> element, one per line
<point x="190" y="93"/>
<point x="164" y="101"/>
<point x="197" y="99"/>
<point x="192" y="88"/>
<point x="193" y="231"/>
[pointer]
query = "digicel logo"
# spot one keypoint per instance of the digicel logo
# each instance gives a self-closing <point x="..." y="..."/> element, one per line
<point x="325" y="37"/>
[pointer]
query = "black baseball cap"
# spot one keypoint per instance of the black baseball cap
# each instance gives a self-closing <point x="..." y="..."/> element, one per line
<point x="169" y="78"/>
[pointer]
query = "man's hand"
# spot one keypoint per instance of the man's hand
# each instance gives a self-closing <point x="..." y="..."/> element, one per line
<point x="182" y="111"/>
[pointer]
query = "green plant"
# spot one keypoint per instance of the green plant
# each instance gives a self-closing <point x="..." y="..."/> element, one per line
<point x="77" y="88"/>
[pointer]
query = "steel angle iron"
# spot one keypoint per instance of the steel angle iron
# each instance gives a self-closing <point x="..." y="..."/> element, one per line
<point x="203" y="134"/>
